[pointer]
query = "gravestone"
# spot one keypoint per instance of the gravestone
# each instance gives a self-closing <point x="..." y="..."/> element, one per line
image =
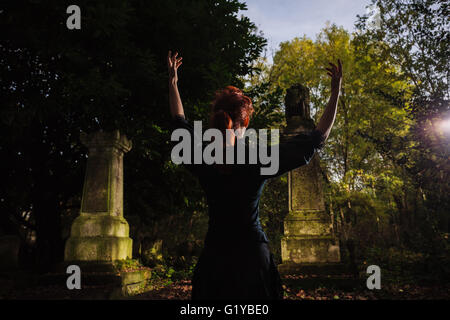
<point x="99" y="241"/>
<point x="308" y="238"/>
<point x="100" y="232"/>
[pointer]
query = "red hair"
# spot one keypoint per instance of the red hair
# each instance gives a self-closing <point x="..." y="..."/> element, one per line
<point x="230" y="109"/>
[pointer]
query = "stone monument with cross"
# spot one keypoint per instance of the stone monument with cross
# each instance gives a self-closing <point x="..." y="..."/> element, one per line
<point x="308" y="237"/>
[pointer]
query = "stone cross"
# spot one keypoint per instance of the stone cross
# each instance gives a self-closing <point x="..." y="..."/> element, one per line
<point x="307" y="227"/>
<point x="100" y="232"/>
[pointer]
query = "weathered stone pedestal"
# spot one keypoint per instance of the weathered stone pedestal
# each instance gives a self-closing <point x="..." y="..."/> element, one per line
<point x="100" y="232"/>
<point x="100" y="235"/>
<point x="308" y="240"/>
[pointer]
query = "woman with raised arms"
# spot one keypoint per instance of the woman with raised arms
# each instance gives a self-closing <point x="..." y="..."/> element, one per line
<point x="236" y="262"/>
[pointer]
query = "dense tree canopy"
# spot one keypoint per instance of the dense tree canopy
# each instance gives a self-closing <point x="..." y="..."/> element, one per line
<point x="111" y="74"/>
<point x="414" y="36"/>
<point x="386" y="184"/>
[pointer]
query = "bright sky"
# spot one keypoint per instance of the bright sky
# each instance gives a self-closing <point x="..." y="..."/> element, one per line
<point x="282" y="20"/>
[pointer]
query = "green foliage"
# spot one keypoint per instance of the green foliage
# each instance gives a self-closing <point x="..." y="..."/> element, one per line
<point x="400" y="266"/>
<point x="128" y="264"/>
<point x="384" y="187"/>
<point x="413" y="36"/>
<point x="168" y="273"/>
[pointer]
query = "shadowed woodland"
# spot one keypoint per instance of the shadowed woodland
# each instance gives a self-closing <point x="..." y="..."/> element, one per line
<point x="385" y="165"/>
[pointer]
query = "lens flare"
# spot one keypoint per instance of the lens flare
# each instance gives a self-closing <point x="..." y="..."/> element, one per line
<point x="444" y="125"/>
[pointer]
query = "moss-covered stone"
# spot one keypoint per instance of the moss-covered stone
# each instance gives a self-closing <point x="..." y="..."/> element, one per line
<point x="93" y="225"/>
<point x="136" y="276"/>
<point x="104" y="279"/>
<point x="308" y="234"/>
<point x="309" y="249"/>
<point x="100" y="233"/>
<point x="306" y="227"/>
<point x="101" y="248"/>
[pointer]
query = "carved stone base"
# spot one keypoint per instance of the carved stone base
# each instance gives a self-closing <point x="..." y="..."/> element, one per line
<point x="335" y="268"/>
<point x="94" y="225"/>
<point x="98" y="237"/>
<point x="316" y="275"/>
<point x="99" y="280"/>
<point x="100" y="248"/>
<point x="309" y="249"/>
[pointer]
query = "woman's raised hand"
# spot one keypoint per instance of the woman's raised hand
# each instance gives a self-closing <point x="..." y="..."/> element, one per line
<point x="335" y="72"/>
<point x="173" y="64"/>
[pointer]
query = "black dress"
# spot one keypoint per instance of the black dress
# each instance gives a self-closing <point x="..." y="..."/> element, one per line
<point x="236" y="262"/>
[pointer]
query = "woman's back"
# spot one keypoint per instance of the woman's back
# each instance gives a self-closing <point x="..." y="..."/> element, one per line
<point x="236" y="262"/>
<point x="233" y="202"/>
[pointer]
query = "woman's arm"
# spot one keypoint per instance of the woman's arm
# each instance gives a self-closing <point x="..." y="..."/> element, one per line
<point x="176" y="107"/>
<point x="326" y="121"/>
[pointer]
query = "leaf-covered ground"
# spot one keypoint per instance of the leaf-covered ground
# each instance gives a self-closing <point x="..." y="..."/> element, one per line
<point x="182" y="290"/>
<point x="162" y="289"/>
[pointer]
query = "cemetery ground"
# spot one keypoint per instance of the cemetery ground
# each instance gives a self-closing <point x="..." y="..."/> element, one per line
<point x="170" y="284"/>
